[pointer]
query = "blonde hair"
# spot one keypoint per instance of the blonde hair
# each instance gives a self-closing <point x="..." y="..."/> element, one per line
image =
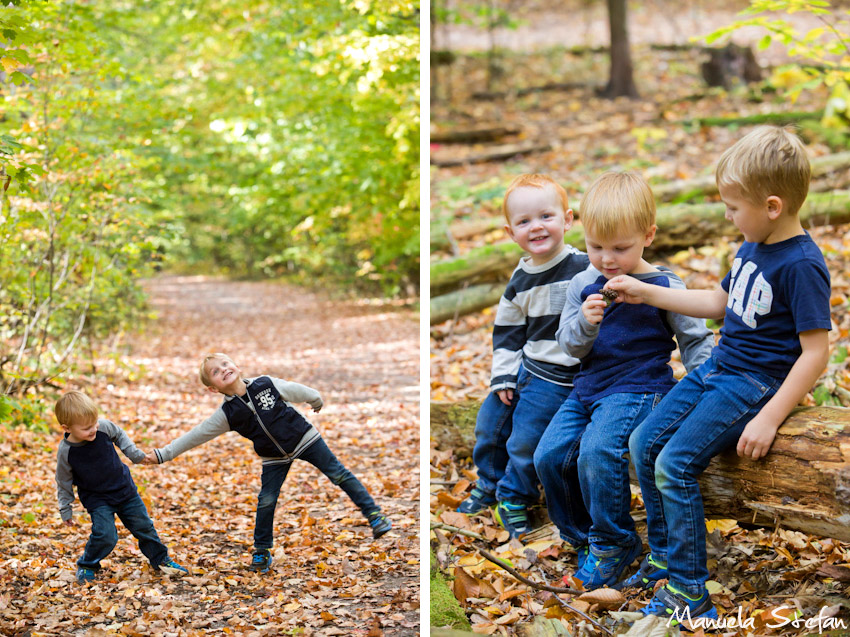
<point x="768" y="161"/>
<point x="202" y="374"/>
<point x="617" y="202"/>
<point x="534" y="180"/>
<point x="75" y="407"/>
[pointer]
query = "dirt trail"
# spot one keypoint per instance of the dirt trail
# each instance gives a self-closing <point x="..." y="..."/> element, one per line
<point x="330" y="577"/>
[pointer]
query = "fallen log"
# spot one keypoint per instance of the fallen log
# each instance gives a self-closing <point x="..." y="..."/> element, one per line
<point x="465" y="301"/>
<point x="802" y="484"/>
<point x="472" y="135"/>
<point x="493" y="153"/>
<point x="680" y="226"/>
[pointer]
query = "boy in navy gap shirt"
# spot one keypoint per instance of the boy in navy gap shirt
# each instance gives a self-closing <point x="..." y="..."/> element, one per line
<point x="259" y="409"/>
<point x="773" y="346"/>
<point x="581" y="458"/>
<point x="530" y="376"/>
<point x="87" y="459"/>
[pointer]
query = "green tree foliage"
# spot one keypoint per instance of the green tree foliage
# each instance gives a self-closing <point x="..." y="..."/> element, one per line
<point x="822" y="53"/>
<point x="254" y="137"/>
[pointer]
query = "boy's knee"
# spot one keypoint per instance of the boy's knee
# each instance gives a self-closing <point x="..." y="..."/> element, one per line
<point x="265" y="500"/>
<point x="338" y="477"/>
<point x="107" y="537"/>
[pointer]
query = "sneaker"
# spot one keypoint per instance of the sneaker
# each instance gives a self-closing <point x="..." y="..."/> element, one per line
<point x="647" y="575"/>
<point x="85" y="574"/>
<point x="170" y="567"/>
<point x="597" y="572"/>
<point x="676" y="606"/>
<point x="477" y="502"/>
<point x="380" y="524"/>
<point x="582" y="552"/>
<point x="261" y="561"/>
<point x="513" y="518"/>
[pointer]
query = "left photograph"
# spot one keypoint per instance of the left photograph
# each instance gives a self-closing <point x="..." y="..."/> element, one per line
<point x="209" y="318"/>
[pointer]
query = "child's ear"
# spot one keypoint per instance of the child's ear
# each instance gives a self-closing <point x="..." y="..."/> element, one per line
<point x="568" y="219"/>
<point x="774" y="207"/>
<point x="212" y="389"/>
<point x="509" y="231"/>
<point x="650" y="236"/>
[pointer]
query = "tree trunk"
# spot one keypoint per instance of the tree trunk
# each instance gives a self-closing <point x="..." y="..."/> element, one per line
<point x="621" y="82"/>
<point x="680" y="226"/>
<point x="802" y="484"/>
<point x="465" y="301"/>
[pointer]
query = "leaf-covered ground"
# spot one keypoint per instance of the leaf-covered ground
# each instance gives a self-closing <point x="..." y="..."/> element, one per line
<point x="756" y="570"/>
<point x="330" y="577"/>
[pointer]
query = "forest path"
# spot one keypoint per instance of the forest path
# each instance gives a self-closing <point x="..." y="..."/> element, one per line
<point x="329" y="577"/>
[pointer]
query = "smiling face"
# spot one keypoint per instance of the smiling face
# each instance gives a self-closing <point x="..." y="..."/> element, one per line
<point x="224" y="376"/>
<point x="81" y="430"/>
<point x="622" y="254"/>
<point x="537" y="221"/>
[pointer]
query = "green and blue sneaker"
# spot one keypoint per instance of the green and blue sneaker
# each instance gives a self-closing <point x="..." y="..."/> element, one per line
<point x="85" y="574"/>
<point x="676" y="606"/>
<point x="477" y="502"/>
<point x="647" y="575"/>
<point x="170" y="567"/>
<point x="261" y="560"/>
<point x="380" y="523"/>
<point x="598" y="571"/>
<point x="513" y="517"/>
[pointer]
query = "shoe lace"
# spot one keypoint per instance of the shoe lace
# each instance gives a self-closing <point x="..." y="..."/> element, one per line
<point x="259" y="558"/>
<point x="655" y="606"/>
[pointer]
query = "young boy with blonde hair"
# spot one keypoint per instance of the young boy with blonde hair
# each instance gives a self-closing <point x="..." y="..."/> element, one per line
<point x="530" y="375"/>
<point x="624" y="353"/>
<point x="87" y="459"/>
<point x="260" y="409"/>
<point x="773" y="346"/>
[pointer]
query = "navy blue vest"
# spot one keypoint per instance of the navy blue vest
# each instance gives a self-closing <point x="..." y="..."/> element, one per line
<point x="276" y="429"/>
<point x="99" y="474"/>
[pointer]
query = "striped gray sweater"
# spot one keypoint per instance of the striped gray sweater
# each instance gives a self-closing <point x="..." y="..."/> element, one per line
<point x="527" y="319"/>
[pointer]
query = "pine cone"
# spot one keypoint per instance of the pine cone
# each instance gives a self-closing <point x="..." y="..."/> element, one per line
<point x="609" y="296"/>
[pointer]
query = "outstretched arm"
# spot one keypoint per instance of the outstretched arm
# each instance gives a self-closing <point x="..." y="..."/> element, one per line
<point x="758" y="435"/>
<point x="697" y="303"/>
<point x="298" y="393"/>
<point x="120" y="438"/>
<point x="210" y="428"/>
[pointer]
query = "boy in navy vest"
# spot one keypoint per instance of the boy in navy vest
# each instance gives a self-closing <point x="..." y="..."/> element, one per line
<point x="624" y="355"/>
<point x="530" y="376"/>
<point x="773" y="346"/>
<point x="87" y="459"/>
<point x="259" y="409"/>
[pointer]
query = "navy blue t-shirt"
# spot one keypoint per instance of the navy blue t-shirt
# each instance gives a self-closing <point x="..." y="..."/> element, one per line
<point x="775" y="292"/>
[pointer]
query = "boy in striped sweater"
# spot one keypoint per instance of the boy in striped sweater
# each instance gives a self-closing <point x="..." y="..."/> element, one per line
<point x="531" y="376"/>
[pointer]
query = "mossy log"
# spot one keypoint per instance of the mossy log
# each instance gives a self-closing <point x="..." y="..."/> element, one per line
<point x="802" y="484"/>
<point x="754" y="120"/>
<point x="465" y="301"/>
<point x="473" y="135"/>
<point x="679" y="226"/>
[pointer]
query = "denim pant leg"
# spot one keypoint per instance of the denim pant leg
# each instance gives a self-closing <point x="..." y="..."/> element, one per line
<point x="603" y="466"/>
<point x="320" y="456"/>
<point x="272" y="480"/>
<point x="538" y="402"/>
<point x="135" y="517"/>
<point x="103" y="537"/>
<point x="556" y="462"/>
<point x="650" y="437"/>
<point x="492" y="429"/>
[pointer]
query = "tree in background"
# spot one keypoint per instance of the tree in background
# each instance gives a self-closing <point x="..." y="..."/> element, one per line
<point x="620" y="82"/>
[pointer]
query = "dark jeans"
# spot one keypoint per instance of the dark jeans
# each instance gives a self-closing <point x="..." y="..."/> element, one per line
<point x="104" y="535"/>
<point x="320" y="456"/>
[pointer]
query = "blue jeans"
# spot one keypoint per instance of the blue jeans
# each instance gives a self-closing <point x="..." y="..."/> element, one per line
<point x="581" y="461"/>
<point x="506" y="437"/>
<point x="320" y="456"/>
<point x="104" y="535"/>
<point x="703" y="415"/>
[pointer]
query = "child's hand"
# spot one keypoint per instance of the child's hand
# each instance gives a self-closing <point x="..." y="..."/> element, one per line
<point x="317" y="405"/>
<point x="757" y="437"/>
<point x="150" y="458"/>
<point x="506" y="396"/>
<point x="593" y="308"/>
<point x="629" y="289"/>
<point x="69" y="522"/>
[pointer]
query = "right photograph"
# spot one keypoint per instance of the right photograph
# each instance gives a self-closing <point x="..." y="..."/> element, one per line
<point x="639" y="318"/>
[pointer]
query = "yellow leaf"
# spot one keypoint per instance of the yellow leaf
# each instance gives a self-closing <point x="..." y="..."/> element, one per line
<point x="291" y="607"/>
<point x="327" y="616"/>
<point x="724" y="526"/>
<point x="9" y="64"/>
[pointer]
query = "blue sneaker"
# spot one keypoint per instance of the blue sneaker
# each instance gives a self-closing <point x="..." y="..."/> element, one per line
<point x="477" y="502"/>
<point x="676" y="606"/>
<point x="582" y="552"/>
<point x="170" y="567"/>
<point x="261" y="561"/>
<point x="380" y="524"/>
<point x="513" y="518"/>
<point x="597" y="572"/>
<point x="647" y="575"/>
<point x="85" y="574"/>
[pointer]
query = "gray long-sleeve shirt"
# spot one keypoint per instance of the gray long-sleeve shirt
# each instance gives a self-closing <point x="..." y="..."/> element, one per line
<point x="95" y="468"/>
<point x="217" y="423"/>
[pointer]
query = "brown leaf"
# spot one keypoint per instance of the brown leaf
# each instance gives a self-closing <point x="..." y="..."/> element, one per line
<point x="605" y="597"/>
<point x="835" y="571"/>
<point x="464" y="586"/>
